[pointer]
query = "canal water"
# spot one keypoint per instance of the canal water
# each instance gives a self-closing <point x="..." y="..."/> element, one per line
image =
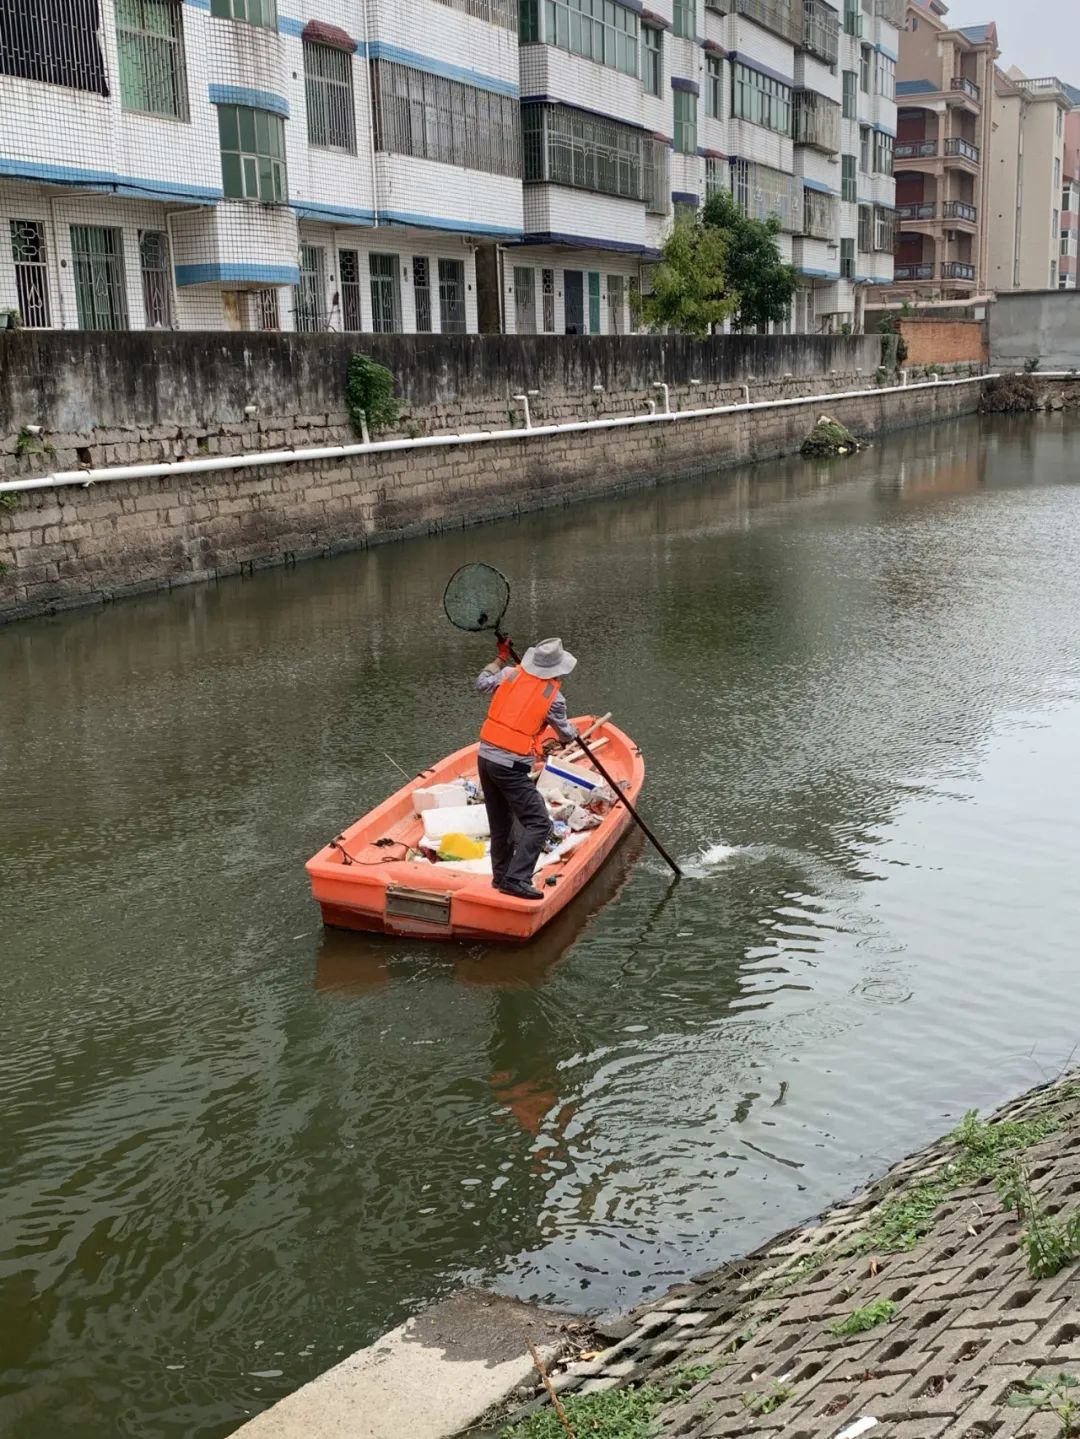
<point x="234" y="1148"/>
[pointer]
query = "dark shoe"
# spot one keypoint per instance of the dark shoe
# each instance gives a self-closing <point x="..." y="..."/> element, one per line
<point x="520" y="891"/>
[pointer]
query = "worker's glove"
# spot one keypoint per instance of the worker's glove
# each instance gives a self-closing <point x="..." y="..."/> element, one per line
<point x="505" y="647"/>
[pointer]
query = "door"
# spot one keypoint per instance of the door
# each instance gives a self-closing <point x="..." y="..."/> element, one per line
<point x="616" y="322"/>
<point x="594" y="302"/>
<point x="524" y="300"/>
<point x="574" y="289"/>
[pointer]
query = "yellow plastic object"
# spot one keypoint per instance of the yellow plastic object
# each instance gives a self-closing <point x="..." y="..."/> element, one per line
<point x="460" y="846"/>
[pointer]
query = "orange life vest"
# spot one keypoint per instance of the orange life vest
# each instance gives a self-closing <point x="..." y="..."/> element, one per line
<point x="517" y="715"/>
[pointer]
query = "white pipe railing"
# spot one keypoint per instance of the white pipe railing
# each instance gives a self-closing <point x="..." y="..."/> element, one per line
<point x="254" y="458"/>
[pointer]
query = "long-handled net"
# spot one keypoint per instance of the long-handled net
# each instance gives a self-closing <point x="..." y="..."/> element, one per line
<point x="476" y="597"/>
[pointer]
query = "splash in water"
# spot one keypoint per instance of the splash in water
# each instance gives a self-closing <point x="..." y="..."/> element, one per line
<point x="710" y="860"/>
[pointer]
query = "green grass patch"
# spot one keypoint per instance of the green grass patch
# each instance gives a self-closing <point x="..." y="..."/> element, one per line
<point x="769" y="1400"/>
<point x="610" y="1414"/>
<point x="861" y="1321"/>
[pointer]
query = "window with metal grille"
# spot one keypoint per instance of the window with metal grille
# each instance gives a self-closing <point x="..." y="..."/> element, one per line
<point x="547" y="289"/>
<point x="97" y="257"/>
<point x="255" y="12"/>
<point x="385" y="294"/>
<point x="884" y="230"/>
<point x="866" y="228"/>
<point x="761" y="100"/>
<point x="884" y="76"/>
<point x="55" y="42"/>
<point x="252" y="154"/>
<point x="31" y="273"/>
<point x="452" y="297"/>
<point x="495" y="12"/>
<point x="864" y="68"/>
<point x="652" y="59"/>
<point x="764" y="193"/>
<point x="716" y="175"/>
<point x="601" y="30"/>
<point x="156" y="280"/>
<point x="310" y="294"/>
<point x="684" y="18"/>
<point x="328" y="87"/>
<point x="438" y="119"/>
<point x="150" y="44"/>
<point x="569" y="147"/>
<point x="853" y="20"/>
<point x="524" y="300"/>
<point x="685" y="122"/>
<point x="851" y="80"/>
<point x="714" y="87"/>
<point x="847" y="259"/>
<point x="267" y="314"/>
<point x="819" y="214"/>
<point x="864" y="148"/>
<point x="349" y="276"/>
<point x="848" y="187"/>
<point x="883" y="153"/>
<point x="654" y="175"/>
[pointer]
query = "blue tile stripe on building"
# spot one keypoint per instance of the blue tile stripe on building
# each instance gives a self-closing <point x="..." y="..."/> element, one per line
<point x="255" y="99"/>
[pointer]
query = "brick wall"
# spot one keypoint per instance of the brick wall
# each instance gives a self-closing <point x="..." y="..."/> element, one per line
<point x="80" y="545"/>
<point x="945" y="342"/>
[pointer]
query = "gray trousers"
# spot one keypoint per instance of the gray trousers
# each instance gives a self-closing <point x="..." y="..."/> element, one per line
<point x="518" y="820"/>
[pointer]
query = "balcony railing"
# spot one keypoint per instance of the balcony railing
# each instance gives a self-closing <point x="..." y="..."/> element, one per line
<point x="916" y="150"/>
<point x="954" y="270"/>
<point x="957" y="210"/>
<point x="821" y="31"/>
<point x="913" y="272"/>
<point x="779" y="16"/>
<point x="892" y="11"/>
<point x="963" y="149"/>
<point x="817" y="121"/>
<point x="966" y="87"/>
<point x="924" y="211"/>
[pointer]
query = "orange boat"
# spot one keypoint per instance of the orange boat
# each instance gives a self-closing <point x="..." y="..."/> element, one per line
<point x="375" y="876"/>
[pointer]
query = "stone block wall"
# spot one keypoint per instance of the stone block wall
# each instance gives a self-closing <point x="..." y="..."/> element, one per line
<point x="79" y="545"/>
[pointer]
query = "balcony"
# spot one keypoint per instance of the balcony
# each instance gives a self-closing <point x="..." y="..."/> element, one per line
<point x="913" y="272"/>
<point x="966" y="87"/>
<point x="916" y="150"/>
<point x="924" y="211"/>
<point x="779" y="16"/>
<point x="957" y="210"/>
<point x="816" y="121"/>
<point x="955" y="270"/>
<point x="962" y="150"/>
<point x="821" y="31"/>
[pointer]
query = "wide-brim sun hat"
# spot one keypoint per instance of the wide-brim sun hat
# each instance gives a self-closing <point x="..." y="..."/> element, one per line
<point x="548" y="660"/>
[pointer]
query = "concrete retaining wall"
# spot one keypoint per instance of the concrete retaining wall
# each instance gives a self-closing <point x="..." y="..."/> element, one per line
<point x="109" y="399"/>
<point x="76" y="545"/>
<point x="1036" y="324"/>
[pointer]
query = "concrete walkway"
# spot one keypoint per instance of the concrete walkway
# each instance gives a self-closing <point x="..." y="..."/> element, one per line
<point x="752" y="1349"/>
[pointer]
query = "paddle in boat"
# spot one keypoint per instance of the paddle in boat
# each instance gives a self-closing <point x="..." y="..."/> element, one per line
<point x="383" y="872"/>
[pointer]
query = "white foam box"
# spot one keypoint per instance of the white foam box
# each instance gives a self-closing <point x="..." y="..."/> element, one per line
<point x="469" y="819"/>
<point x="439" y="796"/>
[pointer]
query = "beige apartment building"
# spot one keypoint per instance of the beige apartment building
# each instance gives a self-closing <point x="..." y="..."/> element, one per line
<point x="945" y="99"/>
<point x="1032" y="243"/>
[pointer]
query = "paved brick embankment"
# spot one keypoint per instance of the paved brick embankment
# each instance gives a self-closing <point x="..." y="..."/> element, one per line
<point x="753" y="1349"/>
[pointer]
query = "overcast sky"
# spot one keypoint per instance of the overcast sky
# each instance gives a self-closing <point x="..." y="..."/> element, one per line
<point x="1041" y="36"/>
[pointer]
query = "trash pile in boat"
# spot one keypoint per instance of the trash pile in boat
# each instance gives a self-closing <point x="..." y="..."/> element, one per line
<point x="456" y="833"/>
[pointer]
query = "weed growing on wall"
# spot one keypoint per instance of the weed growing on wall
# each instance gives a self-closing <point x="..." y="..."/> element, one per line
<point x="369" y="389"/>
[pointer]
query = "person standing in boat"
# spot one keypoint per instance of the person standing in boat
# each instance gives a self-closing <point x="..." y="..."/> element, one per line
<point x="525" y="700"/>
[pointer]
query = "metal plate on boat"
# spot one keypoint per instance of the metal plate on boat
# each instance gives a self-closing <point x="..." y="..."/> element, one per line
<point x="422" y="904"/>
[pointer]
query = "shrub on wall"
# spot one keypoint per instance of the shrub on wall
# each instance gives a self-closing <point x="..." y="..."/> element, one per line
<point x="369" y="390"/>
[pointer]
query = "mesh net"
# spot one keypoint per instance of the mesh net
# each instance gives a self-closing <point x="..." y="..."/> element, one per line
<point x="476" y="597"/>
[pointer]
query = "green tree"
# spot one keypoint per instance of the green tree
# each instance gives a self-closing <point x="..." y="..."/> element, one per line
<point x="690" y="288"/>
<point x="762" y="285"/>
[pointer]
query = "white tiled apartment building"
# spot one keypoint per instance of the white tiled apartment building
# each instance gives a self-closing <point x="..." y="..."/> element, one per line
<point x="423" y="165"/>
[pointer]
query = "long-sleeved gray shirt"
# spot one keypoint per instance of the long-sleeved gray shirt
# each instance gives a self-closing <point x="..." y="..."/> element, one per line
<point x="487" y="682"/>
